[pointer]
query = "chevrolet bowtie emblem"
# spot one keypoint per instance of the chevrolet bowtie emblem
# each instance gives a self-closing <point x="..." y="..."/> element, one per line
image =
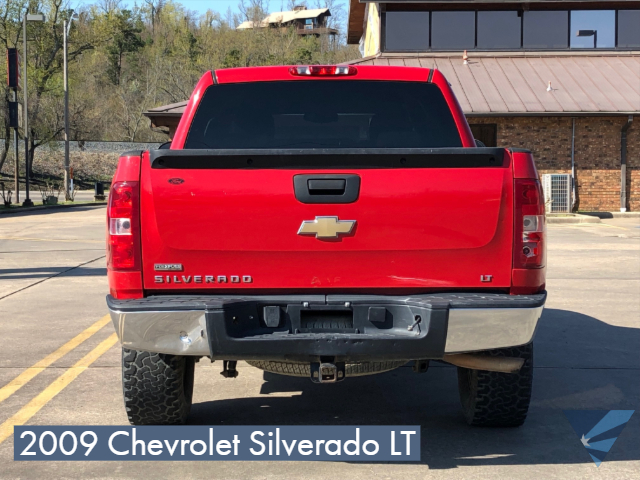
<point x="326" y="227"/>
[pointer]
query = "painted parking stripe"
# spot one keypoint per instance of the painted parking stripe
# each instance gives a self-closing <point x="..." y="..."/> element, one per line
<point x="21" y="380"/>
<point x="30" y="409"/>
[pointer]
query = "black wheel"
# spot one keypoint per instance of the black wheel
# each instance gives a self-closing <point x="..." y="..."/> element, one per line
<point x="158" y="388"/>
<point x="493" y="399"/>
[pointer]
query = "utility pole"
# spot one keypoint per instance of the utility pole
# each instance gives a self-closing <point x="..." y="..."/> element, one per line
<point x="38" y="17"/>
<point x="66" y="117"/>
<point x="13" y="82"/>
<point x="16" y="149"/>
<point x="67" y="27"/>
<point x="27" y="200"/>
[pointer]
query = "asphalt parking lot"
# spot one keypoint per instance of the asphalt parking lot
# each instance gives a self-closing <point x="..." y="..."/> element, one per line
<point x="60" y="365"/>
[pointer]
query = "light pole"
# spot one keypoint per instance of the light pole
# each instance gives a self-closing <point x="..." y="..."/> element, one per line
<point x="588" y="33"/>
<point x="28" y="17"/>
<point x="67" y="27"/>
<point x="13" y="81"/>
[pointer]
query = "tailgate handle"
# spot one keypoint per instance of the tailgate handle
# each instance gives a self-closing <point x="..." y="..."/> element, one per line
<point x="326" y="188"/>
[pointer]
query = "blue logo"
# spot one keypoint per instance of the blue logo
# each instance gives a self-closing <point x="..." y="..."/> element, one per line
<point x="598" y="429"/>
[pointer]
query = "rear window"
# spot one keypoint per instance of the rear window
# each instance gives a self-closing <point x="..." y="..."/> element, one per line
<point x="323" y="114"/>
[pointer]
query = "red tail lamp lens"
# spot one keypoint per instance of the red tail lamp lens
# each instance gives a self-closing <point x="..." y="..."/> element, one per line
<point x="123" y="224"/>
<point x="529" y="249"/>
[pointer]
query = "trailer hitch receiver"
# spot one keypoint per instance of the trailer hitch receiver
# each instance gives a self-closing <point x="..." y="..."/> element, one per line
<point x="327" y="372"/>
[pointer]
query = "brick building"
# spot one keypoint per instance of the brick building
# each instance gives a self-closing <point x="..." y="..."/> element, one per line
<point x="561" y="78"/>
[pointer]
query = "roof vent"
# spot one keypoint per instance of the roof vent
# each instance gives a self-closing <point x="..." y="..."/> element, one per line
<point x="297" y="8"/>
<point x="549" y="87"/>
<point x="465" y="58"/>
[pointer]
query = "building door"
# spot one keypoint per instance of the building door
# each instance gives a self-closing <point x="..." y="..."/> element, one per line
<point x="487" y="133"/>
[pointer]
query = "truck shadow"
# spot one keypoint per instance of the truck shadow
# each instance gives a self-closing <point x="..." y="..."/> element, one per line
<point x="48" y="272"/>
<point x="581" y="364"/>
<point x="25" y="212"/>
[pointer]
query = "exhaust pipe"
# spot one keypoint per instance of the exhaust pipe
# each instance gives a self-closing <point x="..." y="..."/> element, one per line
<point x="483" y="362"/>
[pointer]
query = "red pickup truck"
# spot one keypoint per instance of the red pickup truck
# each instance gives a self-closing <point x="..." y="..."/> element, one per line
<point x="327" y="222"/>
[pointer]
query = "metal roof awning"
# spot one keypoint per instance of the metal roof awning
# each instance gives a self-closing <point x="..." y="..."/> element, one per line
<point x="166" y="118"/>
<point x="170" y="109"/>
<point x="528" y="84"/>
<point x="511" y="84"/>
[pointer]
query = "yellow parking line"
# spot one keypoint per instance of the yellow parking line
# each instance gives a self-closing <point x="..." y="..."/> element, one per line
<point x="30" y="409"/>
<point x="611" y="226"/>
<point x="33" y="239"/>
<point x="589" y="225"/>
<point x="21" y="380"/>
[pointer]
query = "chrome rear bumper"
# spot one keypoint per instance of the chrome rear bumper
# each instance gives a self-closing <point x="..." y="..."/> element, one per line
<point x="476" y="329"/>
<point x="206" y="326"/>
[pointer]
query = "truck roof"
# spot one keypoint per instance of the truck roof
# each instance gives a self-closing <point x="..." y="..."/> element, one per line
<point x="292" y="73"/>
<point x="361" y="72"/>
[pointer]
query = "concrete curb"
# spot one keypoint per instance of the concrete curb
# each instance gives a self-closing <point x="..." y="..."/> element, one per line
<point x="570" y="218"/>
<point x="50" y="207"/>
<point x="612" y="214"/>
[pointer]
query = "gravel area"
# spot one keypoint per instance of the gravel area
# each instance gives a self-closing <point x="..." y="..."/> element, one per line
<point x="91" y="161"/>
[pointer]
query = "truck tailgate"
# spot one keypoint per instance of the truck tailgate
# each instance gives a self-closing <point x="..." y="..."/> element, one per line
<point x="439" y="218"/>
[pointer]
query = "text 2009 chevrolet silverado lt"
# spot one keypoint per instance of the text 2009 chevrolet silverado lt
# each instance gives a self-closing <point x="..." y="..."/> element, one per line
<point x="327" y="222"/>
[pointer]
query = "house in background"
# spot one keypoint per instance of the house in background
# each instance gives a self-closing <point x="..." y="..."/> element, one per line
<point x="561" y="78"/>
<point x="305" y="21"/>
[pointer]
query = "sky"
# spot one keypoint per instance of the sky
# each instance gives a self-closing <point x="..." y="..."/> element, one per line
<point x="222" y="5"/>
<point x="602" y="21"/>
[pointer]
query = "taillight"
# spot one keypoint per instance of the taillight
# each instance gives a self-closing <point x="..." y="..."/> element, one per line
<point x="529" y="249"/>
<point x="323" y="70"/>
<point x="123" y="224"/>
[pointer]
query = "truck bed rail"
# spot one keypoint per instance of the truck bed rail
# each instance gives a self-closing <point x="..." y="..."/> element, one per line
<point x="323" y="158"/>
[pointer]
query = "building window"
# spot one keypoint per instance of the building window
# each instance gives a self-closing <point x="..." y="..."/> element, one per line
<point x="499" y="30"/>
<point x="453" y="30"/>
<point x="628" y="28"/>
<point x="407" y="31"/>
<point x="593" y="29"/>
<point x="487" y="133"/>
<point x="546" y="29"/>
<point x="510" y="30"/>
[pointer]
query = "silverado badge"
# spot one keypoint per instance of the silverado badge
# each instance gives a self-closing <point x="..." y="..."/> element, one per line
<point x="326" y="227"/>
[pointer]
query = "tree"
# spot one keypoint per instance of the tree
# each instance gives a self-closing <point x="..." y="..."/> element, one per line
<point x="44" y="62"/>
<point x="45" y="46"/>
<point x="155" y="11"/>
<point x="125" y="29"/>
<point x="109" y="6"/>
<point x="254" y="10"/>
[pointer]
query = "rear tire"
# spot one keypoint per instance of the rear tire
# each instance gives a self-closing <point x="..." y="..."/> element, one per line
<point x="493" y="399"/>
<point x="158" y="388"/>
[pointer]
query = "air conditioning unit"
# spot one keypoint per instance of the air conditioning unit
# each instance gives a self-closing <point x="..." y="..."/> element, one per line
<point x="557" y="192"/>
